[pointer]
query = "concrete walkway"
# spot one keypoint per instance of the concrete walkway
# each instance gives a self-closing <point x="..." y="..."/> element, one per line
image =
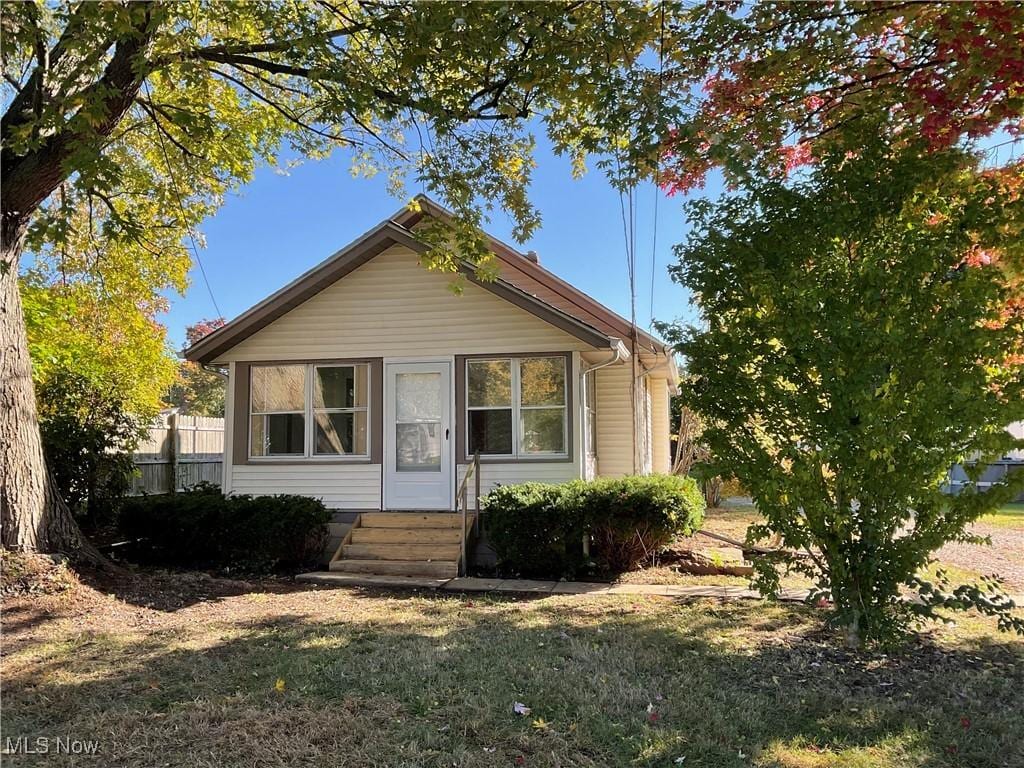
<point x="527" y="586"/>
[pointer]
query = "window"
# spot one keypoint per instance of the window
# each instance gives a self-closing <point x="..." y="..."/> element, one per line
<point x="309" y="410"/>
<point x="590" y="413"/>
<point x="339" y="410"/>
<point x="489" y="392"/>
<point x="516" y="407"/>
<point x="278" y="423"/>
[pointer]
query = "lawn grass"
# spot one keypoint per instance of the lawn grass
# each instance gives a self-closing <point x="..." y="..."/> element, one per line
<point x="348" y="678"/>
<point x="1008" y="516"/>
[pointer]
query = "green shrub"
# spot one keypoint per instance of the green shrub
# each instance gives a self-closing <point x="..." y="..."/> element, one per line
<point x="537" y="529"/>
<point x="88" y="436"/>
<point x="631" y="519"/>
<point x="203" y="528"/>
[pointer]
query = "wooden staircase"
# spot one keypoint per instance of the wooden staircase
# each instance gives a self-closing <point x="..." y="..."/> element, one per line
<point x="403" y="544"/>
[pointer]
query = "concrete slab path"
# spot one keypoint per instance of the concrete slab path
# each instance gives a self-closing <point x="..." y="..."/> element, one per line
<point x="528" y="586"/>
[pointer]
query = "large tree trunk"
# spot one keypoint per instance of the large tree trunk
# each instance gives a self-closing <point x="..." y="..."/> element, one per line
<point x="34" y="517"/>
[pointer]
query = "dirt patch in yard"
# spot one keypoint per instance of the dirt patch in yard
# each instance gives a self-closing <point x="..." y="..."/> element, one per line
<point x="965" y="562"/>
<point x="1003" y="558"/>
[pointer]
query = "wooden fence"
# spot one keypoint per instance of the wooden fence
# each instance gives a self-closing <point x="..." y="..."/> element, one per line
<point x="189" y="449"/>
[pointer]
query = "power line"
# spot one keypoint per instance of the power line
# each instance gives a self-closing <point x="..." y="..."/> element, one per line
<point x="654" y="253"/>
<point x="657" y="162"/>
<point x="181" y="208"/>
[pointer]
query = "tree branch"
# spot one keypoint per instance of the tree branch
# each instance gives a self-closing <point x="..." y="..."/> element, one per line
<point x="29" y="179"/>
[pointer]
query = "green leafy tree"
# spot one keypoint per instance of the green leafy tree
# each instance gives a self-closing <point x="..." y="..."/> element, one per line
<point x="860" y="339"/>
<point x="125" y="123"/>
<point x="197" y="390"/>
<point x="112" y="340"/>
<point x="89" y="434"/>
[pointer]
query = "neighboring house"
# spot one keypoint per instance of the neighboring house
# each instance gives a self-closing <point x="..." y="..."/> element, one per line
<point x="995" y="471"/>
<point x="368" y="383"/>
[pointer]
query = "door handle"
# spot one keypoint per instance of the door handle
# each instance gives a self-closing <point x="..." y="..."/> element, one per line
<point x="446" y="434"/>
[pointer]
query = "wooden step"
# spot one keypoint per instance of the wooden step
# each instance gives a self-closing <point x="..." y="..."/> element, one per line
<point x="401" y="551"/>
<point x="440" y="569"/>
<point x="405" y="536"/>
<point x="410" y="520"/>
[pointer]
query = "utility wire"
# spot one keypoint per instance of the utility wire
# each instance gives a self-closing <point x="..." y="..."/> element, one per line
<point x="657" y="164"/>
<point x="181" y="208"/>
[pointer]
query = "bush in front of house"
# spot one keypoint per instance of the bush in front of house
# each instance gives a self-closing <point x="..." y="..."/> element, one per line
<point x="203" y="528"/>
<point x="631" y="519"/>
<point x="537" y="529"/>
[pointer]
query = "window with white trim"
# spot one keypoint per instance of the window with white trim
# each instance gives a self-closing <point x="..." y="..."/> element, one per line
<point x="309" y="411"/>
<point x="516" y="407"/>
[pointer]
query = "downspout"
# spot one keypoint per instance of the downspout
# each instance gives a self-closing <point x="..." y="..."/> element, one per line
<point x="615" y="358"/>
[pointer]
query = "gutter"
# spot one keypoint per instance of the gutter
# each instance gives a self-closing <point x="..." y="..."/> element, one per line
<point x="215" y="370"/>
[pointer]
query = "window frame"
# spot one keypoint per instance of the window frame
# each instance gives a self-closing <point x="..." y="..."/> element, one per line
<point x="253" y="413"/>
<point x="309" y="412"/>
<point x="313" y="411"/>
<point x="511" y="407"/>
<point x="517" y="408"/>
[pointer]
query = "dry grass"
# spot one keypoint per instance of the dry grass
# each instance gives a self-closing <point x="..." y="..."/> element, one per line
<point x="378" y="679"/>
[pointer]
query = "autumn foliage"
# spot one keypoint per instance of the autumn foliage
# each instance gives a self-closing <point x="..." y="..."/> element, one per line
<point x="767" y="83"/>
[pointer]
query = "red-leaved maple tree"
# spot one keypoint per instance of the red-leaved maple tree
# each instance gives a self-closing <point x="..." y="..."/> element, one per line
<point x="765" y="83"/>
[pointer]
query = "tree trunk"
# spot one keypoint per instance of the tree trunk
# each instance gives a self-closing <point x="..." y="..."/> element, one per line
<point x="34" y="516"/>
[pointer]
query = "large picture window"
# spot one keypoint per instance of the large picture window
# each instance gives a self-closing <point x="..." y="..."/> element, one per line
<point x="309" y="411"/>
<point x="516" y="407"/>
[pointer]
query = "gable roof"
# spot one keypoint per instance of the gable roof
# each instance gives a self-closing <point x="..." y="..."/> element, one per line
<point x="529" y="276"/>
<point x="521" y="282"/>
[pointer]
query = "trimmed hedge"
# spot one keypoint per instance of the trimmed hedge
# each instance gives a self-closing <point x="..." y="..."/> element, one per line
<point x="203" y="528"/>
<point x="537" y="529"/>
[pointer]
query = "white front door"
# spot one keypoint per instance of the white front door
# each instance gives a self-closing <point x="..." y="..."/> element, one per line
<point x="417" y="436"/>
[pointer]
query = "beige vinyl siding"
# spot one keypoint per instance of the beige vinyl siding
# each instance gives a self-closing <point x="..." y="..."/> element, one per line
<point x="614" y="421"/>
<point x="339" y="486"/>
<point x="393" y="307"/>
<point x="493" y="475"/>
<point x="661" y="459"/>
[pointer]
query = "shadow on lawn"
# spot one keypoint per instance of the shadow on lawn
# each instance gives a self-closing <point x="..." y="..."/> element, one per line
<point x="430" y="681"/>
<point x="172" y="590"/>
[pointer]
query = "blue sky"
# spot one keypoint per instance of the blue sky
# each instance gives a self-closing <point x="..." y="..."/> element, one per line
<point x="279" y="225"/>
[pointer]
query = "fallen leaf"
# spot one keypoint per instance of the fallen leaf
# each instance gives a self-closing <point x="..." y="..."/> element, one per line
<point x="279" y="685"/>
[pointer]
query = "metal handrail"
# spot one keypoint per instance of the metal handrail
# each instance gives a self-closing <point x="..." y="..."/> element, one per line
<point x="473" y="471"/>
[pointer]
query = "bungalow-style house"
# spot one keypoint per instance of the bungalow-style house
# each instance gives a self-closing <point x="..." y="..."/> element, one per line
<point x="369" y="384"/>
